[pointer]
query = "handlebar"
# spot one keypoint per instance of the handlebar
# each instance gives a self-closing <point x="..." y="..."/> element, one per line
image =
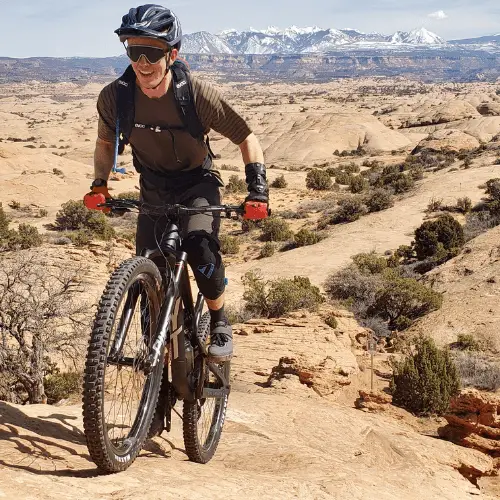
<point x="97" y="201"/>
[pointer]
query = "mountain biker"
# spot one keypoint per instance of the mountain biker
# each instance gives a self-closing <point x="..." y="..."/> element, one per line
<point x="174" y="166"/>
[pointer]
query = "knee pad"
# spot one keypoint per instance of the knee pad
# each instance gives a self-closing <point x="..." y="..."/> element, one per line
<point x="206" y="262"/>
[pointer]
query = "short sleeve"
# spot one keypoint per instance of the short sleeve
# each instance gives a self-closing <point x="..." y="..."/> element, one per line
<point x="106" y="107"/>
<point x="217" y="114"/>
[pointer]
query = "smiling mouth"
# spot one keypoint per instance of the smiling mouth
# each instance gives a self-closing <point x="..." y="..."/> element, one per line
<point x="146" y="73"/>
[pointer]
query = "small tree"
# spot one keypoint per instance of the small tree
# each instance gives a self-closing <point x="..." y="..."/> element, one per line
<point x="349" y="210"/>
<point x="380" y="199"/>
<point x="275" y="298"/>
<point x="358" y="184"/>
<point x="318" y="180"/>
<point x="405" y="298"/>
<point x="39" y="316"/>
<point x="445" y="230"/>
<point x="276" y="229"/>
<point x="279" y="182"/>
<point x="236" y="185"/>
<point x="425" y="380"/>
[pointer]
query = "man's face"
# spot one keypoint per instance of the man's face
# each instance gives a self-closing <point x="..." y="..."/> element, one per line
<point x="150" y="75"/>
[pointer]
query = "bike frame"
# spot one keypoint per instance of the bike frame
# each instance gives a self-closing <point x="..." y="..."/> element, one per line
<point x="178" y="316"/>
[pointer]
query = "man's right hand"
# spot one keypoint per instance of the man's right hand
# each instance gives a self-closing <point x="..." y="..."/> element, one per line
<point x="99" y="186"/>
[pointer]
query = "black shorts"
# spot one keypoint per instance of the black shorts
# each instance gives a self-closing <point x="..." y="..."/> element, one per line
<point x="200" y="232"/>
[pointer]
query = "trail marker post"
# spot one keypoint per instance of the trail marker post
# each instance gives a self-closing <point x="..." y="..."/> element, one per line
<point x="371" y="347"/>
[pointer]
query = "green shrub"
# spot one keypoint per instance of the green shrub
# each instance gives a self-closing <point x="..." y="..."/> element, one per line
<point x="128" y="195"/>
<point x="279" y="182"/>
<point x="331" y="321"/>
<point x="493" y="188"/>
<point x="43" y="213"/>
<point x="275" y="229"/>
<point x="405" y="297"/>
<point x="464" y="205"/>
<point x="435" y="204"/>
<point x="318" y="180"/>
<point x="80" y="238"/>
<point x="25" y="237"/>
<point x="4" y="225"/>
<point x="380" y="199"/>
<point x="74" y="215"/>
<point x="248" y="225"/>
<point x="332" y="171"/>
<point x="229" y="245"/>
<point x="425" y="381"/>
<point x="62" y="385"/>
<point x="466" y="342"/>
<point x="370" y="263"/>
<point x="236" y="185"/>
<point x="445" y="230"/>
<point x="350" y="284"/>
<point x="232" y="168"/>
<point x="306" y="237"/>
<point x="57" y="171"/>
<point x="348" y="210"/>
<point x="343" y="178"/>
<point x="278" y="297"/>
<point x="267" y="250"/>
<point x="350" y="168"/>
<point x="358" y="184"/>
<point x="402" y="183"/>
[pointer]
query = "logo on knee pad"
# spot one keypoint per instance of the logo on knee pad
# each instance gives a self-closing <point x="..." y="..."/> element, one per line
<point x="206" y="269"/>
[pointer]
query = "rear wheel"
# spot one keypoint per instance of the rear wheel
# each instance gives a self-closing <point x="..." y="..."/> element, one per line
<point x="120" y="392"/>
<point x="203" y="418"/>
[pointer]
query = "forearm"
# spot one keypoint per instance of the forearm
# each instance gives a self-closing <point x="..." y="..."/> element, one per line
<point x="251" y="150"/>
<point x="103" y="159"/>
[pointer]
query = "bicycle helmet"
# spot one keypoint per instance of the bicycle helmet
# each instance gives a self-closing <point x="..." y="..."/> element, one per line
<point x="152" y="21"/>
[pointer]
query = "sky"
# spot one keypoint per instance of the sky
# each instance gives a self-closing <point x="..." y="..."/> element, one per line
<point x="66" y="28"/>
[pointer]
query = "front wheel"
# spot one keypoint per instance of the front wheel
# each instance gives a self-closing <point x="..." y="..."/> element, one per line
<point x="120" y="390"/>
<point x="203" y="418"/>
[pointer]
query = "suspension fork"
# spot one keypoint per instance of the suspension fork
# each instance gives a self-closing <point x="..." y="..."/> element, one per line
<point x="128" y="309"/>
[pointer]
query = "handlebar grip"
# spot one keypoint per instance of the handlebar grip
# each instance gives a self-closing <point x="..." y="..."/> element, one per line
<point x="256" y="210"/>
<point x="92" y="201"/>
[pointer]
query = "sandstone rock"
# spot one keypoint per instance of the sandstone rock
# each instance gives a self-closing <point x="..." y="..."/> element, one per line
<point x="474" y="421"/>
<point x="446" y="112"/>
<point x="373" y="401"/>
<point x="489" y="108"/>
<point x="448" y="140"/>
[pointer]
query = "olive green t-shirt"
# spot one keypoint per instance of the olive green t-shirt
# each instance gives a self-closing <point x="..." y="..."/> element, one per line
<point x="175" y="149"/>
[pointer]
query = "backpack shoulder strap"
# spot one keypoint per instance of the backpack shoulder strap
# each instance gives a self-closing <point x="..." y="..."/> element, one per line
<point x="125" y="102"/>
<point x="184" y="97"/>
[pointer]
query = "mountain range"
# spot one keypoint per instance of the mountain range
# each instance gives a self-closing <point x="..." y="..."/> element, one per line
<point x="315" y="40"/>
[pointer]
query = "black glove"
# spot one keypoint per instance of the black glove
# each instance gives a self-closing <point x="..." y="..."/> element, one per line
<point x="256" y="182"/>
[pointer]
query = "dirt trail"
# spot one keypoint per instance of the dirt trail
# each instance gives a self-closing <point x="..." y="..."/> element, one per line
<point x="273" y="447"/>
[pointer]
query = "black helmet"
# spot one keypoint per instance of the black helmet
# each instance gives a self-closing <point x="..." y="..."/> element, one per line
<point x="152" y="21"/>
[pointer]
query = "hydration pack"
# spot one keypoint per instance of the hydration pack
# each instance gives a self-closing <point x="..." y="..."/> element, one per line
<point x="184" y="98"/>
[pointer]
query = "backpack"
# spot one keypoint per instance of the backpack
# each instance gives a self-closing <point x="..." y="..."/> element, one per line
<point x="183" y="94"/>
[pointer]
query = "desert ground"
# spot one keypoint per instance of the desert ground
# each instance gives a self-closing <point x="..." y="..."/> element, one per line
<point x="283" y="438"/>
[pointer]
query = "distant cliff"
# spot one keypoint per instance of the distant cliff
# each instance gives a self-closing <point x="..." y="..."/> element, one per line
<point x="425" y="65"/>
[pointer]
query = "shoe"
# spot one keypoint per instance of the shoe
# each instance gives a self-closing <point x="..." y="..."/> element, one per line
<point x="221" y="342"/>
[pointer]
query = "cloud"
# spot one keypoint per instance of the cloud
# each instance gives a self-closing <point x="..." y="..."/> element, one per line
<point x="439" y="14"/>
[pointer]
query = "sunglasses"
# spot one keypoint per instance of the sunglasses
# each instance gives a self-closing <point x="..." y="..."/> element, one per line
<point x="152" y="54"/>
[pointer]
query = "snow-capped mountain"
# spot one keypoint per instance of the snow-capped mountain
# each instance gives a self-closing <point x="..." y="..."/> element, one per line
<point x="417" y="37"/>
<point x="203" y="42"/>
<point x="295" y="40"/>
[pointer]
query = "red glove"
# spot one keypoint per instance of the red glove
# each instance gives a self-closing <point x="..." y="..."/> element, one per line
<point x="98" y="194"/>
<point x="255" y="210"/>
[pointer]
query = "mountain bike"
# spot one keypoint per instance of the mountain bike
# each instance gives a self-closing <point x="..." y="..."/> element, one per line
<point x="148" y="326"/>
